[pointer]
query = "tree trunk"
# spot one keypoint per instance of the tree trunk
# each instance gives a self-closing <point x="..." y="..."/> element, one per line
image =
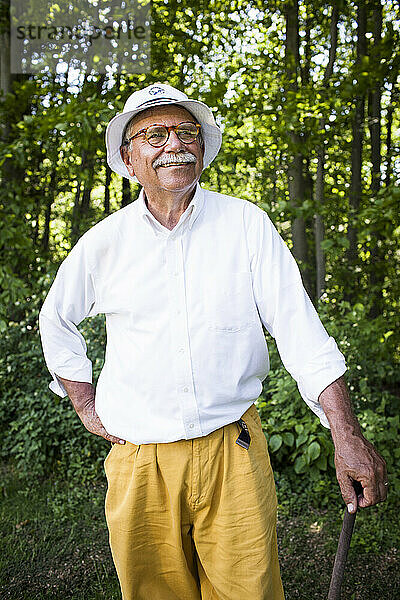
<point x="374" y="105"/>
<point x="319" y="227"/>
<point x="50" y="195"/>
<point x="85" y="204"/>
<point x="107" y="190"/>
<point x="35" y="233"/>
<point x="88" y="168"/>
<point x="5" y="73"/>
<point x="377" y="266"/>
<point x="75" y="214"/>
<point x="394" y="99"/>
<point x="319" y="182"/>
<point x="357" y="130"/>
<point x="126" y="192"/>
<point x="296" y="180"/>
<point x="306" y="68"/>
<point x="47" y="214"/>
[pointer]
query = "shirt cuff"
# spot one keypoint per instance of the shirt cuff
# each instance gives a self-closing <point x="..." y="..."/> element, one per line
<point x="84" y="375"/>
<point x="326" y="366"/>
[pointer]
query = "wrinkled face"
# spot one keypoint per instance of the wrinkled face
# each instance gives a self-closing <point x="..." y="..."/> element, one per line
<point x="154" y="167"/>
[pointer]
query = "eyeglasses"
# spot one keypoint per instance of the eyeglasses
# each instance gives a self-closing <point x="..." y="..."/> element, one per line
<point x="158" y="135"/>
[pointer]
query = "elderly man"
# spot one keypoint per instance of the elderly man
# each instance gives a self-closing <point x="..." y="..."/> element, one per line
<point x="187" y="279"/>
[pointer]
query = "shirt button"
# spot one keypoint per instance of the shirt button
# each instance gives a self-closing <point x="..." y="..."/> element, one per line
<point x="185" y="389"/>
<point x="191" y="425"/>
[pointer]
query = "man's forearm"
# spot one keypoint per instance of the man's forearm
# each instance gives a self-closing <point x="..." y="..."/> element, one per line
<point x="79" y="392"/>
<point x="355" y="457"/>
<point x="335" y="401"/>
<point x="82" y="395"/>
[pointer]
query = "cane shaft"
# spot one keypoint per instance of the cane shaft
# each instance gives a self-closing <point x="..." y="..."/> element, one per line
<point x="341" y="555"/>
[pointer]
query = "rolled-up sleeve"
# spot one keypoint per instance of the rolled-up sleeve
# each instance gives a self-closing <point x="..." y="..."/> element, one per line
<point x="308" y="353"/>
<point x="71" y="298"/>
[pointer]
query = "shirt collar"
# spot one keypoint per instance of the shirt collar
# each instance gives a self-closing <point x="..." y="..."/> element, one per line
<point x="191" y="213"/>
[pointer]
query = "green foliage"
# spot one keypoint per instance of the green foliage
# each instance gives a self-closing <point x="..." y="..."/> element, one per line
<point x="301" y="448"/>
<point x="39" y="430"/>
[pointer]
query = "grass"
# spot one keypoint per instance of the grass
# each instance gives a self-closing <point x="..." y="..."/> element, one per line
<point x="54" y="545"/>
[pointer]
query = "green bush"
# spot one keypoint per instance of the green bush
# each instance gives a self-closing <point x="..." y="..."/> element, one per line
<point x="301" y="448"/>
<point x="40" y="431"/>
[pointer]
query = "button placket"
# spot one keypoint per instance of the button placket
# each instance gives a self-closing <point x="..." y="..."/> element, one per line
<point x="180" y="337"/>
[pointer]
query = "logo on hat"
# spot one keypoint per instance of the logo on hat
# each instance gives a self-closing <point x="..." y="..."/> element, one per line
<point x="155" y="90"/>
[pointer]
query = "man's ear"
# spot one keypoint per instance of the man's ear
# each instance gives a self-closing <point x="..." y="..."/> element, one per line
<point x="125" y="157"/>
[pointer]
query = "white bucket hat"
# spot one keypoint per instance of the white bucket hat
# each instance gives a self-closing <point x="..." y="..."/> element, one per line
<point x="160" y="94"/>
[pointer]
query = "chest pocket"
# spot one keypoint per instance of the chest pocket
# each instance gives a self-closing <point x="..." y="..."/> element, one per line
<point x="230" y="304"/>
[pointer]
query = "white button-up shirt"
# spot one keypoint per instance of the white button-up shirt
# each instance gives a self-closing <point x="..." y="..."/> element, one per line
<point x="186" y="352"/>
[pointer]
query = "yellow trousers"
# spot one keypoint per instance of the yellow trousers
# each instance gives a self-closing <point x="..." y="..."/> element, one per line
<point x="195" y="519"/>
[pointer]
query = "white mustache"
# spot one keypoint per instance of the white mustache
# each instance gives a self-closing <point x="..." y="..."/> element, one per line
<point x="180" y="158"/>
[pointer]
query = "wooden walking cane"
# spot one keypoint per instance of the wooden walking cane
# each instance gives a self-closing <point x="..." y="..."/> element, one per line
<point x="342" y="550"/>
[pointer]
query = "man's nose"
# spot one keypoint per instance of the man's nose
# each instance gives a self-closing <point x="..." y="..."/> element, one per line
<point x="173" y="143"/>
